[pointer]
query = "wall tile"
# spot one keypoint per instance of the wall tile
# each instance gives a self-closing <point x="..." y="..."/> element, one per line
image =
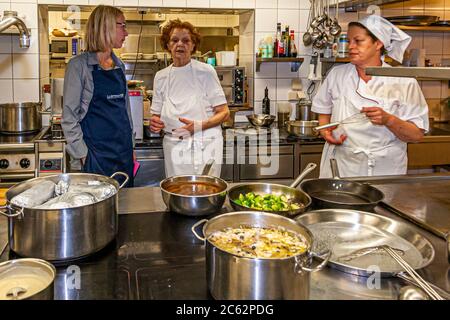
<point x="244" y="4"/>
<point x="7" y="90"/>
<point x="44" y="66"/>
<point x="34" y="43"/>
<point x="76" y="2"/>
<point x="303" y="20"/>
<point x="24" y="1"/>
<point x="5" y="43"/>
<point x="391" y="12"/>
<point x="266" y="4"/>
<point x="267" y="71"/>
<point x="304" y="4"/>
<point x="303" y="71"/>
<point x="445" y="89"/>
<point x="434" y="108"/>
<point x="431" y="89"/>
<point x="266" y="20"/>
<point x="414" y="4"/>
<point x="221" y="3"/>
<point x="4" y="6"/>
<point x="261" y="84"/>
<point x="197" y="3"/>
<point x="50" y="2"/>
<point x="288" y="4"/>
<point x="417" y="40"/>
<point x="289" y="18"/>
<point x="284" y="71"/>
<point x="174" y="3"/>
<point x="283" y="87"/>
<point x="26" y="90"/>
<point x="433" y="42"/>
<point x="98" y="2"/>
<point x="6" y="71"/>
<point x="434" y="5"/>
<point x="127" y="3"/>
<point x="28" y="12"/>
<point x="26" y="66"/>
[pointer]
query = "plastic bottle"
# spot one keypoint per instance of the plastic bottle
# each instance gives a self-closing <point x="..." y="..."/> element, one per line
<point x="293" y="49"/>
<point x="343" y="46"/>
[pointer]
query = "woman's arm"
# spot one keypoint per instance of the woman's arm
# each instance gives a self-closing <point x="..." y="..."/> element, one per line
<point x="71" y="113"/>
<point x="221" y="113"/>
<point x="327" y="133"/>
<point x="404" y="130"/>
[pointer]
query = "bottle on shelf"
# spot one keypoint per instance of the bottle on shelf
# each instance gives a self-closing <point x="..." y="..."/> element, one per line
<point x="276" y="45"/>
<point x="287" y="42"/>
<point x="293" y="47"/>
<point x="282" y="52"/>
<point x="266" y="102"/>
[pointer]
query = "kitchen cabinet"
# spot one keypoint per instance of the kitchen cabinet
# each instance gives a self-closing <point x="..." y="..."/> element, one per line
<point x="307" y="153"/>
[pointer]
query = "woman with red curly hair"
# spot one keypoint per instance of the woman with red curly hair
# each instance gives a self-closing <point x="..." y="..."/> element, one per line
<point x="188" y="105"/>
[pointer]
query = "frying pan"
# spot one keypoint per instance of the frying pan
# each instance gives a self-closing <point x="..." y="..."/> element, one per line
<point x="294" y="195"/>
<point x="344" y="194"/>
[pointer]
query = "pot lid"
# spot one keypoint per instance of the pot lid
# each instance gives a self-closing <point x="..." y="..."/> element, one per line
<point x="23" y="278"/>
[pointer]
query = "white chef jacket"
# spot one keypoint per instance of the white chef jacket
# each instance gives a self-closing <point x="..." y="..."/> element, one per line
<point x="369" y="149"/>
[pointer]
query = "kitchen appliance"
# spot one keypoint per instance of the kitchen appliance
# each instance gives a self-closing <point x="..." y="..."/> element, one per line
<point x="16" y="118"/>
<point x="137" y="112"/>
<point x="30" y="279"/>
<point x="230" y="277"/>
<point x="66" y="47"/>
<point x="303" y="110"/>
<point x="150" y="155"/>
<point x="56" y="95"/>
<point x="62" y="234"/>
<point x="50" y="150"/>
<point x="232" y="80"/>
<point x="291" y="192"/>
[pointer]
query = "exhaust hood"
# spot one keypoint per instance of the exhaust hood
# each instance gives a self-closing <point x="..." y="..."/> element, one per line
<point x="411" y="72"/>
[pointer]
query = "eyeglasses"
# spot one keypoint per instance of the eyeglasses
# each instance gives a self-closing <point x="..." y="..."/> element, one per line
<point x="183" y="41"/>
<point x="122" y="24"/>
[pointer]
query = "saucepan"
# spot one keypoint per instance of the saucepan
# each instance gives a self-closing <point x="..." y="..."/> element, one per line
<point x="293" y="195"/>
<point x="194" y="195"/>
<point x="338" y="193"/>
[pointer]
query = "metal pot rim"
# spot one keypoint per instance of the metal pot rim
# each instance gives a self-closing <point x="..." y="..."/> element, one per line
<point x="225" y="215"/>
<point x="194" y="196"/>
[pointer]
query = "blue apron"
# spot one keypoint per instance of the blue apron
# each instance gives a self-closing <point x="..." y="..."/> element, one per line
<point x="106" y="126"/>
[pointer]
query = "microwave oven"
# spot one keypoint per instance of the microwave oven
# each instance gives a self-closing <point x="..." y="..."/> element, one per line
<point x="232" y="80"/>
<point x="65" y="47"/>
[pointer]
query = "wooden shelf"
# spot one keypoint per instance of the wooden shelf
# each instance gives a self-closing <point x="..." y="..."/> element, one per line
<point x="424" y="28"/>
<point x="295" y="62"/>
<point x="335" y="60"/>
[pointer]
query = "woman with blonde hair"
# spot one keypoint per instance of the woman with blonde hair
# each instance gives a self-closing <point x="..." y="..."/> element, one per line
<point x="96" y="116"/>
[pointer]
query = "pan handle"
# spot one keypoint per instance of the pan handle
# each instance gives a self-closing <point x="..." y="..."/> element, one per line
<point x="122" y="174"/>
<point x="334" y="169"/>
<point x="310" y="167"/>
<point x="198" y="223"/>
<point x="324" y="256"/>
<point x="326" y="126"/>
<point x="17" y="214"/>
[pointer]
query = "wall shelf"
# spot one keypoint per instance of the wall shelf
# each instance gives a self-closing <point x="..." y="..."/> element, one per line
<point x="335" y="60"/>
<point x="295" y="62"/>
<point x="424" y="28"/>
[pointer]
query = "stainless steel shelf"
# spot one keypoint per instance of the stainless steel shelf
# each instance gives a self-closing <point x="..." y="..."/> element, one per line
<point x="411" y="72"/>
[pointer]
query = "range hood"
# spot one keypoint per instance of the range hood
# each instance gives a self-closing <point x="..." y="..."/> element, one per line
<point x="410" y="72"/>
<point x="355" y="5"/>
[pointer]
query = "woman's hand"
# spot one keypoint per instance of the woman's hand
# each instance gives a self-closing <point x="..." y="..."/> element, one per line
<point x="377" y="115"/>
<point x="327" y="134"/>
<point x="156" y="125"/>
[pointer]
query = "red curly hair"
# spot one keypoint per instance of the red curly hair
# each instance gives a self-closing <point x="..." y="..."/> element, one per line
<point x="178" y="24"/>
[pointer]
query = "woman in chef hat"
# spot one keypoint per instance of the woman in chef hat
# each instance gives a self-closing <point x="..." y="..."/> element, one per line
<point x="396" y="110"/>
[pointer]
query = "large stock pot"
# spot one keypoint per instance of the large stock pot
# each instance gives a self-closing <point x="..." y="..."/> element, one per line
<point x="20" y="117"/>
<point x="62" y="234"/>
<point x="234" y="277"/>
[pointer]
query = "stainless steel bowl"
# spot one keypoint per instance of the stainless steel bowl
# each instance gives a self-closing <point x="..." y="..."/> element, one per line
<point x="261" y="120"/>
<point x="194" y="205"/>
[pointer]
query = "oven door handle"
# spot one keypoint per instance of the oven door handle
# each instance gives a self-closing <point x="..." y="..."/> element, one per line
<point x="8" y="215"/>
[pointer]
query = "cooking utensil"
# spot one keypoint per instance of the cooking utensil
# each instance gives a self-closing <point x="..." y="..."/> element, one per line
<point x="346" y="231"/>
<point x="31" y="279"/>
<point x="303" y="129"/>
<point x="195" y="205"/>
<point x="355" y="118"/>
<point x="413" y="20"/>
<point x="234" y="277"/>
<point x="261" y="120"/>
<point x="62" y="234"/>
<point x="20" y="117"/>
<point x="294" y="195"/>
<point x="412" y="293"/>
<point x="338" y="193"/>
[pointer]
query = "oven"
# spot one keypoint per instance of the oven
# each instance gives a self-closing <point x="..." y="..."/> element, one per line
<point x="232" y="80"/>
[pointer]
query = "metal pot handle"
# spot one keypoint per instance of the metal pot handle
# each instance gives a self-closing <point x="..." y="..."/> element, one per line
<point x="20" y="213"/>
<point x="198" y="223"/>
<point x="325" y="256"/>
<point x="310" y="167"/>
<point x="123" y="174"/>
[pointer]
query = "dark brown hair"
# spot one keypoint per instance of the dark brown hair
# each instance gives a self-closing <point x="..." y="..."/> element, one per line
<point x="369" y="33"/>
<point x="178" y="24"/>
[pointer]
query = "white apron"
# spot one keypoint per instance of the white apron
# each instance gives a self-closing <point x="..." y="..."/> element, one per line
<point x="369" y="150"/>
<point x="189" y="156"/>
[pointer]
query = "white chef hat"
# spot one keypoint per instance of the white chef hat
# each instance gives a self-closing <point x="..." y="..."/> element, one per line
<point x="395" y="40"/>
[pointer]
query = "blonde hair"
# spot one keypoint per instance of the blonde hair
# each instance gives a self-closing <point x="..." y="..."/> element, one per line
<point x="101" y="28"/>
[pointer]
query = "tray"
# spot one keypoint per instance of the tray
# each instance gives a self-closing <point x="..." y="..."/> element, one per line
<point x="421" y="20"/>
<point x="345" y="231"/>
